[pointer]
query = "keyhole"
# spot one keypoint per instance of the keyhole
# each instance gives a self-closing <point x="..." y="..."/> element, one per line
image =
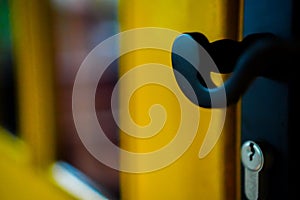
<point x="252" y="151"/>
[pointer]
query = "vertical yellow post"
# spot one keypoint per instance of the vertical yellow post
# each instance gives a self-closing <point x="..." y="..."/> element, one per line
<point x="32" y="42"/>
<point x="216" y="176"/>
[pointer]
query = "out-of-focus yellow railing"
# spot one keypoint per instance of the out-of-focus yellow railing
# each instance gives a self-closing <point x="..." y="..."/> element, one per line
<point x="28" y="166"/>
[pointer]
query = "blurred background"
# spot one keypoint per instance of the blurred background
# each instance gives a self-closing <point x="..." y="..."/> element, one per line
<point x="42" y="45"/>
<point x="79" y="26"/>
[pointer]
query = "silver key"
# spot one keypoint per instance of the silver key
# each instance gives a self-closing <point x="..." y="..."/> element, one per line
<point x="253" y="161"/>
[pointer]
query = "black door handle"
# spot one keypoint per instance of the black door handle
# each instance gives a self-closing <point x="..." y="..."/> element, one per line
<point x="256" y="55"/>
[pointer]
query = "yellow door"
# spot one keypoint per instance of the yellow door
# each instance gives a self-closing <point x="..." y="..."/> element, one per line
<point x="214" y="176"/>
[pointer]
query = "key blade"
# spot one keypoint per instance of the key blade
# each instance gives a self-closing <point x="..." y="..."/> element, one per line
<point x="251" y="184"/>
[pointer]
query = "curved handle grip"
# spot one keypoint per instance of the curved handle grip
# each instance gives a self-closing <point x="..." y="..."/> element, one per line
<point x="265" y="57"/>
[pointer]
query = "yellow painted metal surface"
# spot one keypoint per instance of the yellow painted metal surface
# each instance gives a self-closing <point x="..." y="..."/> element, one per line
<point x="19" y="178"/>
<point x="214" y="177"/>
<point x="33" y="52"/>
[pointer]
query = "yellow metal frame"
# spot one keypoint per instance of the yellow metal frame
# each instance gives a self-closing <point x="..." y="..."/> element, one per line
<point x="19" y="179"/>
<point x="28" y="165"/>
<point x="216" y="176"/>
<point x="25" y="161"/>
<point x="32" y="42"/>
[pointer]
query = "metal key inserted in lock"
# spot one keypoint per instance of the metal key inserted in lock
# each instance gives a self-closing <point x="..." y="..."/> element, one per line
<point x="253" y="160"/>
